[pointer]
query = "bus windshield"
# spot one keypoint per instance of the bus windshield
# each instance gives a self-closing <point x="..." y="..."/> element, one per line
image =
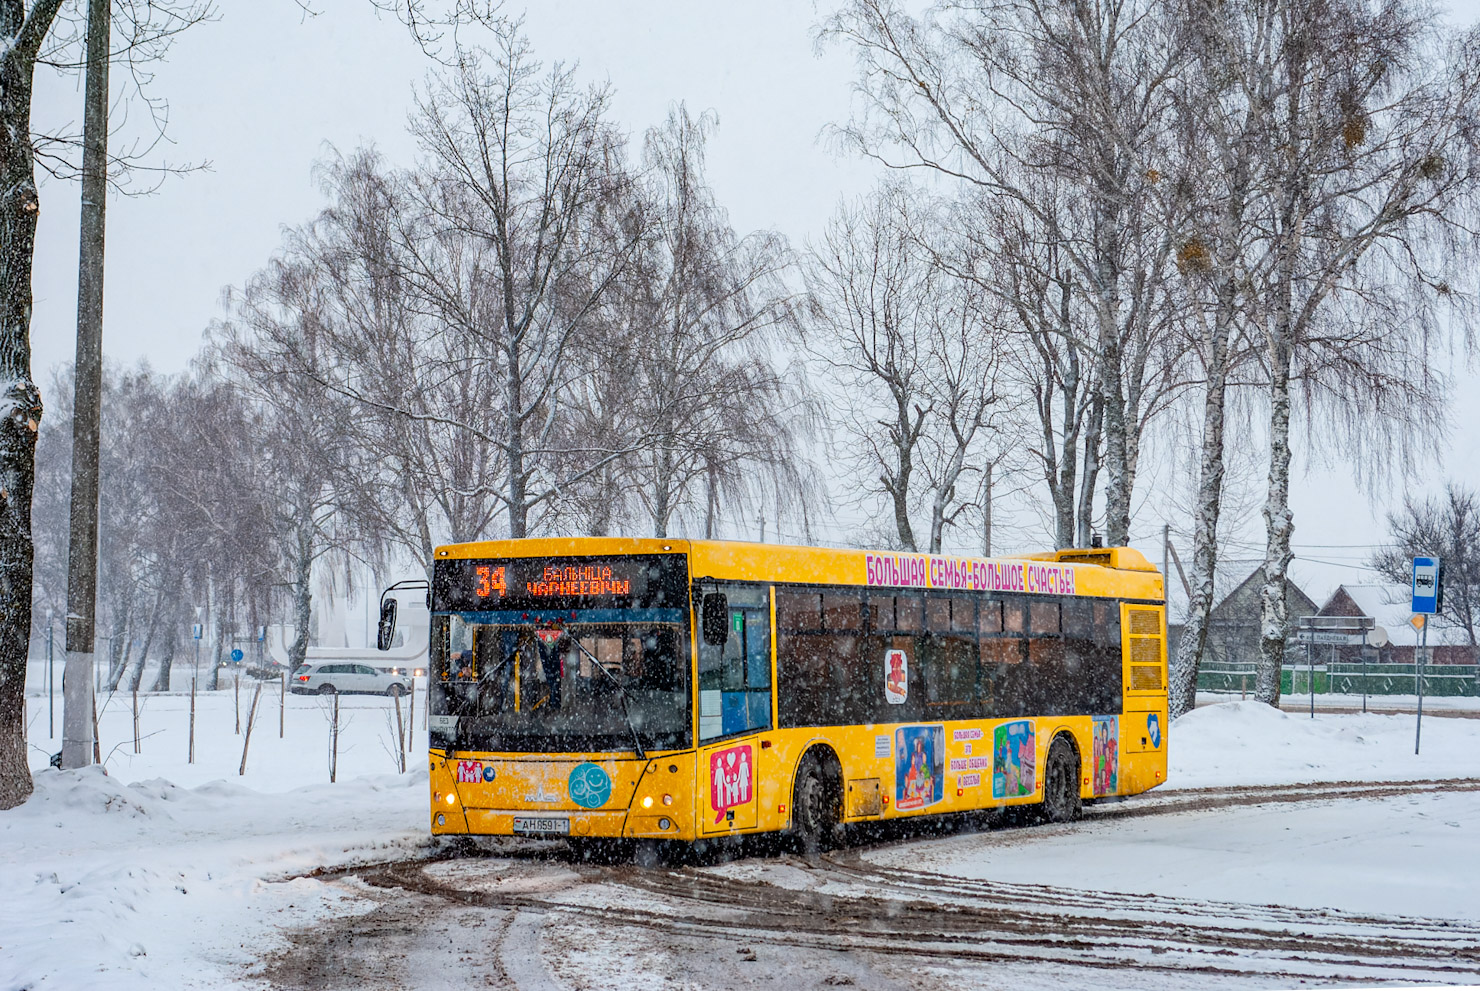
<point x="590" y="684"/>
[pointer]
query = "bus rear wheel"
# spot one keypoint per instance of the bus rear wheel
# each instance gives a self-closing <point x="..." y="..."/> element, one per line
<point x="1061" y="802"/>
<point x="817" y="806"/>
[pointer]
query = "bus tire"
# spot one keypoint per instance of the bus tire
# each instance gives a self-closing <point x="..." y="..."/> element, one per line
<point x="817" y="806"/>
<point x="1061" y="802"/>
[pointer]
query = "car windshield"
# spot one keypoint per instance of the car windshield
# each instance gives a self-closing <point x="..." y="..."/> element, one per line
<point x="523" y="686"/>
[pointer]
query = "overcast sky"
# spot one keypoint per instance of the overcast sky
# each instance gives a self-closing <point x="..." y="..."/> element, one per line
<point x="264" y="92"/>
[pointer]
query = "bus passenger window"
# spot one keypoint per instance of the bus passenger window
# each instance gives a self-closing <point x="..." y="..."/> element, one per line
<point x="842" y="611"/>
<point x="989" y="617"/>
<point x="909" y="613"/>
<point x="938" y="615"/>
<point x="799" y="610"/>
<point x="963" y="614"/>
<point x="881" y="612"/>
<point x="1013" y="618"/>
<point x="1043" y="617"/>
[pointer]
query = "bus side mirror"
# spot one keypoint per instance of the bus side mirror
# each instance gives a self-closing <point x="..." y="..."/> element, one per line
<point x="715" y="614"/>
<point x="386" y="629"/>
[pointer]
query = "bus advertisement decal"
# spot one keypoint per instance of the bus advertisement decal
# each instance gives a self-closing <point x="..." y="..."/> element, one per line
<point x="896" y="676"/>
<point x="1106" y="770"/>
<point x="1014" y="756"/>
<point x="919" y="766"/>
<point x="730" y="776"/>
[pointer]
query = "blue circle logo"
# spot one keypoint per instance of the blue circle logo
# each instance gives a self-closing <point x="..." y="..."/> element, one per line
<point x="237" y="655"/>
<point x="489" y="773"/>
<point x="1153" y="730"/>
<point x="590" y="786"/>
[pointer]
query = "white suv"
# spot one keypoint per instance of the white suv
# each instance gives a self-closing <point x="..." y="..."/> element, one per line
<point x="342" y="676"/>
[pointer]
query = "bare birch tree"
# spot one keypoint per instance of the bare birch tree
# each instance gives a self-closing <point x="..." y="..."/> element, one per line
<point x="989" y="94"/>
<point x="1373" y="171"/>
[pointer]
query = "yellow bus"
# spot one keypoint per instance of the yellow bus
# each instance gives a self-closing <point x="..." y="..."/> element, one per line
<point x="649" y="689"/>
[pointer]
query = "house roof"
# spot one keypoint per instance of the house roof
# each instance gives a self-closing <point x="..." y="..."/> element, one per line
<point x="1388" y="604"/>
<point x="1243" y="601"/>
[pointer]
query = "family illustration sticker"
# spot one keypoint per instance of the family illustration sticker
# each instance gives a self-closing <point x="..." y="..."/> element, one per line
<point x="469" y="772"/>
<point x="1153" y="730"/>
<point x="919" y="766"/>
<point x="896" y="676"/>
<point x="1014" y="754"/>
<point x="730" y="776"/>
<point x="1106" y="769"/>
<point x="589" y="786"/>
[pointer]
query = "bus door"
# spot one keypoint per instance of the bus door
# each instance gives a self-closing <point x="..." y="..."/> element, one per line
<point x="735" y="706"/>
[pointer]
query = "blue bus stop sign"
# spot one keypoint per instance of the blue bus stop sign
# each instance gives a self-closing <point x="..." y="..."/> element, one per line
<point x="237" y="655"/>
<point x="1426" y="585"/>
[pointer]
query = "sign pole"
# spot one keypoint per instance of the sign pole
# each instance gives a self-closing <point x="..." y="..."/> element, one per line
<point x="1364" y="672"/>
<point x="51" y="682"/>
<point x="1428" y="591"/>
<point x="1310" y="674"/>
<point x="1418" y="677"/>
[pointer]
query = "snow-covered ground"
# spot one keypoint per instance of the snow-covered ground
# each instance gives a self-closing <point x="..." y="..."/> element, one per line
<point x="165" y="874"/>
<point x="1248" y="743"/>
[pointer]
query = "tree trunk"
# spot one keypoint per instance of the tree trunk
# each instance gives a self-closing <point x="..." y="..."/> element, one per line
<point x="147" y="645"/>
<point x="19" y="205"/>
<point x="1274" y="615"/>
<point x="1091" y="477"/>
<point x="302" y="597"/>
<point x="171" y="644"/>
<point x="1205" y="519"/>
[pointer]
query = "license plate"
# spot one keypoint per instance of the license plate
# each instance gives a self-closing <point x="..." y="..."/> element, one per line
<point x="541" y="824"/>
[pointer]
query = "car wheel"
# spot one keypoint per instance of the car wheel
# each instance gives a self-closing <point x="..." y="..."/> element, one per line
<point x="326" y="689"/>
<point x="1061" y="802"/>
<point x="395" y="691"/>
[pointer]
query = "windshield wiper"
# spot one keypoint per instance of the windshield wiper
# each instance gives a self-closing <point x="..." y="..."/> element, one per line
<point x="622" y="689"/>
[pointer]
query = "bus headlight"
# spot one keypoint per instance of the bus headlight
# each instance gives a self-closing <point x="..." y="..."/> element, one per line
<point x="451" y="798"/>
<point x="664" y="823"/>
<point x="647" y="802"/>
<point x="441" y="819"/>
<point x="667" y="799"/>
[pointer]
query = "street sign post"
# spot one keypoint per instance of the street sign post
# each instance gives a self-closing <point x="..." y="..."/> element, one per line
<point x="1327" y="637"/>
<point x="1427" y="599"/>
<point x="1335" y="631"/>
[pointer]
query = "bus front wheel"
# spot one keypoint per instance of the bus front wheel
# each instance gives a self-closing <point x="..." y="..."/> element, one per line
<point x="816" y="806"/>
<point x="1061" y="802"/>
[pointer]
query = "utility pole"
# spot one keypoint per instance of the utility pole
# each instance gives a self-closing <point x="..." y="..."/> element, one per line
<point x="82" y="554"/>
<point x="1166" y="553"/>
<point x="987" y="514"/>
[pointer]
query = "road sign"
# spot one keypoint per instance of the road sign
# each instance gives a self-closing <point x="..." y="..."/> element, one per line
<point x="1426" y="585"/>
<point x="196" y="630"/>
<point x="1325" y="636"/>
<point x="237" y="655"/>
<point x="1417" y="621"/>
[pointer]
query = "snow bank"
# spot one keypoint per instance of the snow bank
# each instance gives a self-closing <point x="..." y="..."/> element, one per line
<point x="1243" y="743"/>
<point x="113" y="885"/>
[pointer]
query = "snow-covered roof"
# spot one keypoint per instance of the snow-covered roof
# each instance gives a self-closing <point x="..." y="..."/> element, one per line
<point x="1388" y="604"/>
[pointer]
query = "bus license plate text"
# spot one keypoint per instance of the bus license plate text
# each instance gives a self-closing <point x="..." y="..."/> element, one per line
<point x="541" y="824"/>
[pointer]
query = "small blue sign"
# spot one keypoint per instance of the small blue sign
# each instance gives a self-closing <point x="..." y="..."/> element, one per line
<point x="237" y="655"/>
<point x="1426" y="585"/>
<point x="589" y="785"/>
<point x="1153" y="730"/>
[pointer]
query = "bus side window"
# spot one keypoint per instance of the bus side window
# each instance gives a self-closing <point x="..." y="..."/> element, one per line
<point x="735" y="680"/>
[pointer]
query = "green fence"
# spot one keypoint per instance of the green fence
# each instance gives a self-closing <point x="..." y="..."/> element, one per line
<point x="1348" y="679"/>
